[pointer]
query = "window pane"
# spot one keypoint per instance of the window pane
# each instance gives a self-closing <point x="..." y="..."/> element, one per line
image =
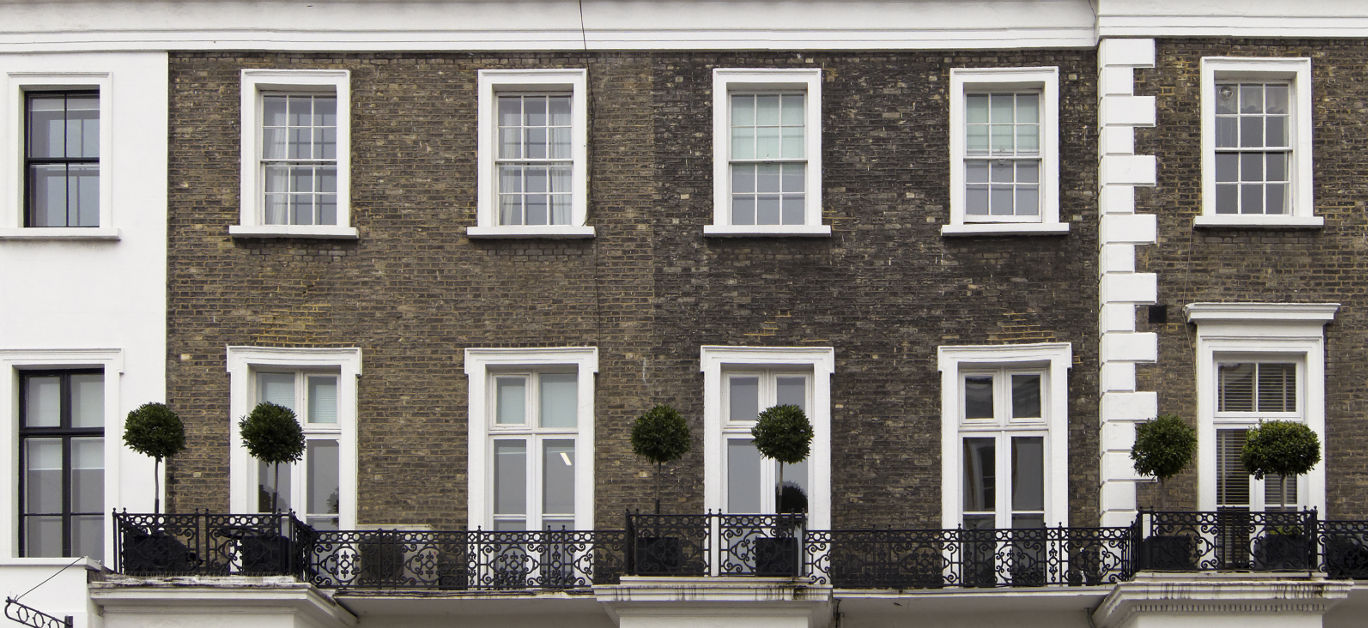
<point x="791" y="391"/>
<point x="534" y="110"/>
<point x="743" y="398"/>
<point x="794" y="494"/>
<point x="1028" y="522"/>
<point x="1028" y="108"/>
<point x="791" y="140"/>
<point x="43" y="536"/>
<point x="1227" y="132"/>
<point x="1000" y="200"/>
<point x="767" y="209"/>
<point x="510" y="111"/>
<point x="323" y="399"/>
<point x="1027" y="171"/>
<point x="43" y="475"/>
<point x="1001" y="109"/>
<point x="1027" y="201"/>
<point x="1025" y="396"/>
<point x="1226" y="200"/>
<point x="1277" y="199"/>
<point x="1226" y="167"/>
<point x="1235" y="388"/>
<point x="979" y="479"/>
<point x="767" y="142"/>
<point x="277" y="388"/>
<point x="1251" y="132"/>
<point x="978" y="397"/>
<point x="1251" y="167"/>
<point x="48" y="196"/>
<point x="510" y="400"/>
<point x="1028" y="473"/>
<point x="1273" y="493"/>
<point x="559" y="109"/>
<point x="1251" y="98"/>
<point x="743" y="210"/>
<point x="325" y="111"/>
<point x="559" y="399"/>
<point x="976" y="108"/>
<point x="976" y="171"/>
<point x="558" y="477"/>
<point x="83" y="127"/>
<point x="87" y="475"/>
<point x="43" y="401"/>
<point x="324" y="477"/>
<point x="743" y="178"/>
<point x="767" y="178"/>
<point x="87" y="536"/>
<point x="1251" y="198"/>
<point x="976" y="139"/>
<point x="1277" y="387"/>
<point x="743" y="476"/>
<point x="792" y="107"/>
<point x="1232" y="481"/>
<point x="273" y="111"/>
<point x="266" y="491"/>
<point x="1225" y="98"/>
<point x="46" y="125"/>
<point x="1027" y="139"/>
<point x="1277" y="131"/>
<point x="976" y="200"/>
<point x="767" y="109"/>
<point x="743" y="110"/>
<point x="792" y="177"/>
<point x="510" y="477"/>
<point x="743" y="143"/>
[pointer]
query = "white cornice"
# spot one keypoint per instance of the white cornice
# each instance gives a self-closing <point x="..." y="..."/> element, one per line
<point x="1223" y="594"/>
<point x="1261" y="312"/>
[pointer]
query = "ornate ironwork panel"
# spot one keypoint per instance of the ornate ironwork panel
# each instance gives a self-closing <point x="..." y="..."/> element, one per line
<point x="203" y="543"/>
<point x="1229" y="539"/>
<point x="1343" y="548"/>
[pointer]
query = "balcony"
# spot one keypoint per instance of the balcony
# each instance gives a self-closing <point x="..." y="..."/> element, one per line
<point x="715" y="544"/>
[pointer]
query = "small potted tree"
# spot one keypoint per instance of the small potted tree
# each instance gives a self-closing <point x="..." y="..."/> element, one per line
<point x="1163" y="447"/>
<point x="272" y="435"/>
<point x="783" y="434"/>
<point x="155" y="430"/>
<point x="1287" y="450"/>
<point x="660" y="435"/>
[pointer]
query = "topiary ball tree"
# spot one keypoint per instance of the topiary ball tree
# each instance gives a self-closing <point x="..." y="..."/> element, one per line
<point x="1164" y="446"/>
<point x="1280" y="448"/>
<point x="660" y="435"/>
<point x="272" y="435"/>
<point x="783" y="434"/>
<point x="154" y="429"/>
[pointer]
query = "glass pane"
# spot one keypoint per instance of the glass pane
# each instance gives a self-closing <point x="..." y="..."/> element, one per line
<point x="976" y="171"/>
<point x="767" y="178"/>
<point x="558" y="477"/>
<point x="510" y="399"/>
<point x="791" y="140"/>
<point x="976" y="139"/>
<point x="1027" y="171"/>
<point x="980" y="522"/>
<point x="743" y="395"/>
<point x="1277" y="131"/>
<point x="47" y="196"/>
<point x="510" y="143"/>
<point x="322" y="523"/>
<point x="324" y="477"/>
<point x="976" y="200"/>
<point x="277" y="388"/>
<point x="792" y="177"/>
<point x="743" y="110"/>
<point x="46" y="125"/>
<point x="1227" y="132"/>
<point x="791" y="391"/>
<point x="1277" y="387"/>
<point x="560" y="143"/>
<point x="1232" y="481"/>
<point x="1001" y="135"/>
<point x="1251" y="98"/>
<point x="1227" y="167"/>
<point x="1028" y="473"/>
<point x="534" y="110"/>
<point x="42" y="536"/>
<point x="1225" y="98"/>
<point x="1026" y="396"/>
<point x="1273" y="493"/>
<point x="743" y="210"/>
<point x="1276" y="169"/>
<point x="87" y="536"/>
<point x="976" y="108"/>
<point x="978" y="397"/>
<point x="792" y="108"/>
<point x="743" y="143"/>
<point x="325" y="143"/>
<point x="1028" y="139"/>
<point x="558" y="523"/>
<point x="791" y="210"/>
<point x="266" y="481"/>
<point x="273" y="143"/>
<point x="1251" y="167"/>
<point x="559" y="399"/>
<point x="559" y="108"/>
<point x="1235" y="387"/>
<point x="1251" y="198"/>
<point x="1027" y="201"/>
<point x="534" y="144"/>
<point x="767" y="142"/>
<point x="510" y="477"/>
<point x="87" y="475"/>
<point x="83" y="195"/>
<point x="1251" y="132"/>
<point x="743" y="178"/>
<point x="273" y="111"/>
<point x="1001" y="109"/>
<point x="1276" y="98"/>
<point x="42" y="475"/>
<point x="767" y="109"/>
<point x="43" y="401"/>
<point x="325" y="111"/>
<point x="794" y="496"/>
<point x="1028" y="522"/>
<point x="322" y="399"/>
<point x="979" y="480"/>
<point x="83" y="127"/>
<point x="743" y="476"/>
<point x="1226" y="201"/>
<point x="1277" y="199"/>
<point x="510" y="111"/>
<point x="1028" y="108"/>
<point x="767" y="210"/>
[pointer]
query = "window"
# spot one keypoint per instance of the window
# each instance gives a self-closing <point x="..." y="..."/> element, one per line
<point x="1004" y="151"/>
<point x="61" y="461"/>
<point x="1256" y="362"/>
<point x="1004" y="435"/>
<point x="531" y="438"/>
<point x="767" y="153"/>
<point x="532" y="154"/>
<point x="62" y="159"/>
<point x="1256" y="143"/>
<point x="738" y="383"/>
<point x="296" y="154"/>
<point x="319" y="385"/>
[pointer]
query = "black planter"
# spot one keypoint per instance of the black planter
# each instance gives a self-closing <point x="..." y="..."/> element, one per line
<point x="265" y="554"/>
<point x="1345" y="558"/>
<point x="660" y="556"/>
<point x="382" y="562"/>
<point x="453" y="570"/>
<point x="1168" y="553"/>
<point x="157" y="553"/>
<point x="776" y="557"/>
<point x="1276" y="552"/>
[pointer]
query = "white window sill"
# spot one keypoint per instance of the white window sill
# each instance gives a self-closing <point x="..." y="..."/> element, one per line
<point x="767" y="231"/>
<point x="1005" y="228"/>
<point x="1235" y="221"/>
<point x="59" y="233"/>
<point x="531" y="231"/>
<point x="293" y="231"/>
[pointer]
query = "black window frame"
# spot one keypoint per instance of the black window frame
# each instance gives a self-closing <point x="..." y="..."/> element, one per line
<point x="65" y="432"/>
<point x="30" y="161"/>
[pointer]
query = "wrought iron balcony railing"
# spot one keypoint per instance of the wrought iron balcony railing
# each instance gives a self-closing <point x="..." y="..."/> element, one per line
<point x="1227" y="540"/>
<point x="715" y="544"/>
<point x="207" y="544"/>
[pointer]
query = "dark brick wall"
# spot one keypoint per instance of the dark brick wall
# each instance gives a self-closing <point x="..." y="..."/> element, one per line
<point x="1278" y="265"/>
<point x="885" y="290"/>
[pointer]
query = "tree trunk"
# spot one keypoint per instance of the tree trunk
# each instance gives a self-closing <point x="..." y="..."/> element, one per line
<point x="156" y="486"/>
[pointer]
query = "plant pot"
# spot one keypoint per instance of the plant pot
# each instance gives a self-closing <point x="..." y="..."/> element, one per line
<point x="265" y="554"/>
<point x="660" y="556"/>
<point x="158" y="553"/>
<point x="1345" y="558"/>
<point x="382" y="562"/>
<point x="1168" y="553"/>
<point x="776" y="557"/>
<point x="453" y="571"/>
<point x="1275" y="552"/>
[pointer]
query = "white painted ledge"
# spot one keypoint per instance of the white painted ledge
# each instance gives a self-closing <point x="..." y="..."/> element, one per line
<point x="1261" y="312"/>
<point x="550" y="232"/>
<point x="1252" y="599"/>
<point x="293" y="231"/>
<point x="1235" y="221"/>
<point x="1005" y="229"/>
<point x="60" y="233"/>
<point x="761" y="231"/>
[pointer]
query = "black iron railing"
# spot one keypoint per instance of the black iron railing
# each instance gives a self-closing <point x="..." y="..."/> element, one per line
<point x="1343" y="547"/>
<point x="715" y="544"/>
<point x="1225" y="540"/>
<point x="204" y="543"/>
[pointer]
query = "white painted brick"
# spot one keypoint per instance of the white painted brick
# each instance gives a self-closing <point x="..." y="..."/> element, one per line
<point x="1129" y="169"/>
<point x="1118" y="436"/>
<point x="1134" y="228"/>
<point x="1128" y="110"/>
<point x="1118" y="140"/>
<point x="1121" y="406"/>
<point x="1117" y="258"/>
<point x="1118" y="317"/>
<point x="1118" y="377"/>
<point x="1117" y="198"/>
<point x="1136" y="53"/>
<point x="1133" y="287"/>
<point x="1130" y="347"/>
<point x="1117" y="80"/>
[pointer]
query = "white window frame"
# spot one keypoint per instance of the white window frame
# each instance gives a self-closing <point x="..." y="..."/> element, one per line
<point x="14" y="361"/>
<point x="243" y="365"/>
<point x="820" y="363"/>
<point x="1053" y="360"/>
<point x="1259" y="332"/>
<point x="480" y="366"/>
<point x="491" y="83"/>
<point x="1044" y="79"/>
<point x="1301" y="210"/>
<point x="12" y="203"/>
<point x="320" y="82"/>
<point x="727" y="81"/>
